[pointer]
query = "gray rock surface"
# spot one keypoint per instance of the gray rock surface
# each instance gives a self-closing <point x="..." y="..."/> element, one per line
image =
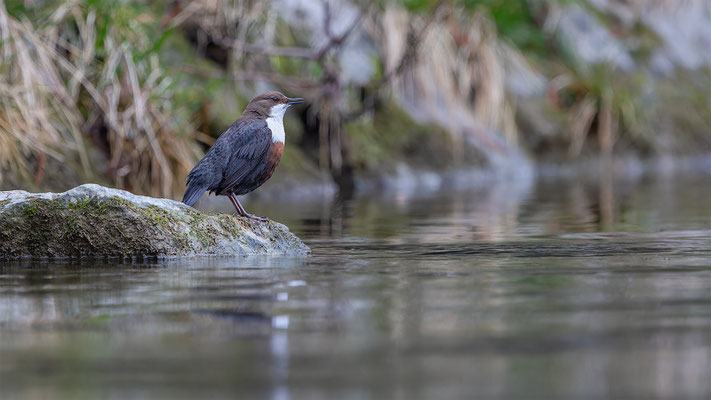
<point x="95" y="221"/>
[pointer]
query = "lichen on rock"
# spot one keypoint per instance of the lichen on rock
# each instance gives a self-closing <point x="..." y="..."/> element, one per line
<point x="95" y="221"/>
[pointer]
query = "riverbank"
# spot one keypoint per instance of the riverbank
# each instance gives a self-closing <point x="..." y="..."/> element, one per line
<point x="408" y="97"/>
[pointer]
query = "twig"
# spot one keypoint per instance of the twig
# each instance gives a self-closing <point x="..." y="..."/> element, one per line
<point x="409" y="56"/>
<point x="296" y="52"/>
<point x="336" y="40"/>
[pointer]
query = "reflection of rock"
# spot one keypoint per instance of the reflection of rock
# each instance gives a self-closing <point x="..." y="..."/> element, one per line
<point x="94" y="221"/>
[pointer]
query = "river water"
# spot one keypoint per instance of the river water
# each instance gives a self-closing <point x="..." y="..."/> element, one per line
<point x="556" y="289"/>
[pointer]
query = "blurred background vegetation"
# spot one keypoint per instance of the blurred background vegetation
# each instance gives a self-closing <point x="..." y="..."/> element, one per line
<point x="132" y="93"/>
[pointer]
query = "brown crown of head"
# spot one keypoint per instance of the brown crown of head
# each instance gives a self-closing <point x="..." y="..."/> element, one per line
<point x="262" y="104"/>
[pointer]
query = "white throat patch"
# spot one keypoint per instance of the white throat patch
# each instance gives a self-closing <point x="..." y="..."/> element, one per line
<point x="275" y="122"/>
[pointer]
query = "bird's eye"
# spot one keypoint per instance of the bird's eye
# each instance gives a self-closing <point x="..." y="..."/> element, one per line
<point x="275" y="99"/>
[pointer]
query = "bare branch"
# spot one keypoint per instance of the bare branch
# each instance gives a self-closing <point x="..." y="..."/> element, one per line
<point x="337" y="40"/>
<point x="409" y="56"/>
<point x="327" y="19"/>
<point x="296" y="52"/>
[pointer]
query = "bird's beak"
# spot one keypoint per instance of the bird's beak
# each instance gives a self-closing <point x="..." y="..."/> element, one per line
<point x="294" y="100"/>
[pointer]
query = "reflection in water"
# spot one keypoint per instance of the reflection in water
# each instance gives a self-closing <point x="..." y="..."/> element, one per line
<point x="558" y="290"/>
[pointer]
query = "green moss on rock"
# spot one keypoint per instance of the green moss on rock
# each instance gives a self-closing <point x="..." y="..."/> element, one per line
<point x="93" y="221"/>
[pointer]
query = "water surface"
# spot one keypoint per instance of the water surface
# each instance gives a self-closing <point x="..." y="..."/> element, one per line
<point x="557" y="289"/>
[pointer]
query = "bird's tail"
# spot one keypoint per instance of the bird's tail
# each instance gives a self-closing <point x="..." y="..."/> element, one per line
<point x="200" y="179"/>
<point x="193" y="193"/>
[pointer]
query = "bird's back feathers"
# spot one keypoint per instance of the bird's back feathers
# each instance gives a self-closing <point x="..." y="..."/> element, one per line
<point x="246" y="158"/>
<point x="233" y="163"/>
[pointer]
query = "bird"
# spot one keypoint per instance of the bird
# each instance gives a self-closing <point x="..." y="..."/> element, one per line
<point x="245" y="155"/>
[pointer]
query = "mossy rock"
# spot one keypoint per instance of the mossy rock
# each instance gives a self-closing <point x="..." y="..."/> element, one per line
<point x="97" y="222"/>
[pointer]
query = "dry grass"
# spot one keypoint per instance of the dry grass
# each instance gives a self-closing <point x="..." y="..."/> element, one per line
<point x="57" y="85"/>
<point x="37" y="114"/>
<point x="457" y="78"/>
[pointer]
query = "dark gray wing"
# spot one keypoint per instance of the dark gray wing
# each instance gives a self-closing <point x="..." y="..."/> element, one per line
<point x="248" y="145"/>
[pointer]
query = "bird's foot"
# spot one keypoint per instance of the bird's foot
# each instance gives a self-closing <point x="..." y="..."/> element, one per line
<point x="254" y="217"/>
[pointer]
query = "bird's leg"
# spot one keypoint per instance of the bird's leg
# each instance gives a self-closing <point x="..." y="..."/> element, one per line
<point x="241" y="211"/>
<point x="235" y="203"/>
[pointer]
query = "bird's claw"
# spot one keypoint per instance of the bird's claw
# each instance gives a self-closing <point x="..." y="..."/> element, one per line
<point x="256" y="218"/>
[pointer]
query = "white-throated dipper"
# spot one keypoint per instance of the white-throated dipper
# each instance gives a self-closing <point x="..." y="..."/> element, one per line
<point x="245" y="155"/>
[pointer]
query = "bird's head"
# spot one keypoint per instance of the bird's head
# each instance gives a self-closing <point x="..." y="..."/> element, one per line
<point x="271" y="104"/>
